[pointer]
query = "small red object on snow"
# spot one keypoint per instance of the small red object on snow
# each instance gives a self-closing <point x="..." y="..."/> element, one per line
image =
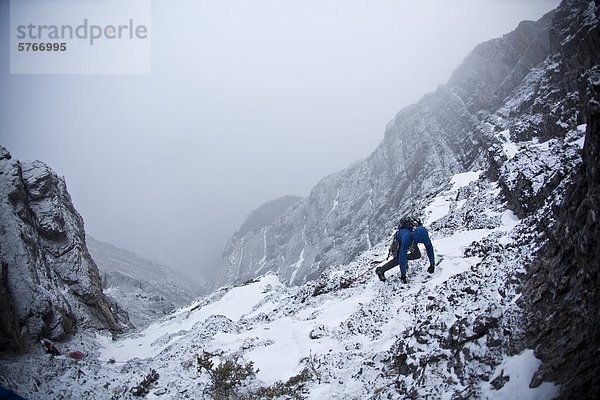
<point x="77" y="355"/>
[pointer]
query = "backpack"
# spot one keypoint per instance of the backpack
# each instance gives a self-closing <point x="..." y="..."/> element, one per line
<point x="410" y="223"/>
<point x="406" y="222"/>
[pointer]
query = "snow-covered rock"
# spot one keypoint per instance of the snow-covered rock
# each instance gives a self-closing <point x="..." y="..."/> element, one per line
<point x="49" y="284"/>
<point x="147" y="290"/>
<point x="562" y="290"/>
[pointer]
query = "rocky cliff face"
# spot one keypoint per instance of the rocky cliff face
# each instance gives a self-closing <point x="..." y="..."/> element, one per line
<point x="49" y="284"/>
<point x="563" y="288"/>
<point x="145" y="289"/>
<point x="426" y="143"/>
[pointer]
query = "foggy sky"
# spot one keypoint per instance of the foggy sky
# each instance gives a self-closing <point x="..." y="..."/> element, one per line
<point x="247" y="101"/>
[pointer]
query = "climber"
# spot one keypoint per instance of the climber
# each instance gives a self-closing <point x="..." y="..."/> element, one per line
<point x="405" y="247"/>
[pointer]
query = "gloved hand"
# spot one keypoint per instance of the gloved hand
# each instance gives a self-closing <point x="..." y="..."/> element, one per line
<point x="431" y="269"/>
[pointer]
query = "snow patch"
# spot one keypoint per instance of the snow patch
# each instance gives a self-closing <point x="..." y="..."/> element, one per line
<point x="509" y="148"/>
<point x="519" y="369"/>
<point x="335" y="203"/>
<point x="154" y="339"/>
<point x="451" y="252"/>
<point x="263" y="260"/>
<point x="297" y="265"/>
<point x="440" y="205"/>
<point x="437" y="209"/>
<point x="581" y="141"/>
<point x="461" y="180"/>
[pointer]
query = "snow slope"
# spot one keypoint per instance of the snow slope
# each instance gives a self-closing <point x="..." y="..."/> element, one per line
<point x="443" y="335"/>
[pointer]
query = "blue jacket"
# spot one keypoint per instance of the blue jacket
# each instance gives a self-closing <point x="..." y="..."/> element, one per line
<point x="405" y="237"/>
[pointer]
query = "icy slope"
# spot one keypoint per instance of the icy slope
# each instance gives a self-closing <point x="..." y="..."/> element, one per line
<point x="454" y="334"/>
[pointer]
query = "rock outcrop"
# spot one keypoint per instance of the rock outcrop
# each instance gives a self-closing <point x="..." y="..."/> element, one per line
<point x="563" y="288"/>
<point x="49" y="284"/>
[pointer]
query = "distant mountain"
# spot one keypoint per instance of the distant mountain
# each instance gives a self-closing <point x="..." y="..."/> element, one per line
<point x="146" y="289"/>
<point x="267" y="214"/>
<point x="49" y="284"/>
<point x="256" y="225"/>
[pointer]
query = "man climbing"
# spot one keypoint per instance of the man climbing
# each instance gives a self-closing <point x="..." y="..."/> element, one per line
<point x="410" y="233"/>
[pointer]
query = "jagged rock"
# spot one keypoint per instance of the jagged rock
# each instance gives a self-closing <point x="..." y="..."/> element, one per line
<point x="499" y="382"/>
<point x="563" y="288"/>
<point x="318" y="332"/>
<point x="561" y="296"/>
<point x="49" y="284"/>
<point x="400" y="366"/>
<point x="494" y="68"/>
<point x="4" y="154"/>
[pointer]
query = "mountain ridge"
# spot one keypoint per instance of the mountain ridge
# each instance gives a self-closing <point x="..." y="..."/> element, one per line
<point x="424" y="144"/>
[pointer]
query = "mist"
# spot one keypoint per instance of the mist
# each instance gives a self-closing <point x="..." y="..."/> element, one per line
<point x="245" y="102"/>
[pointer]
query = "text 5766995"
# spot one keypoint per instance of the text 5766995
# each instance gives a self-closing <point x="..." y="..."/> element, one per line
<point x="28" y="46"/>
